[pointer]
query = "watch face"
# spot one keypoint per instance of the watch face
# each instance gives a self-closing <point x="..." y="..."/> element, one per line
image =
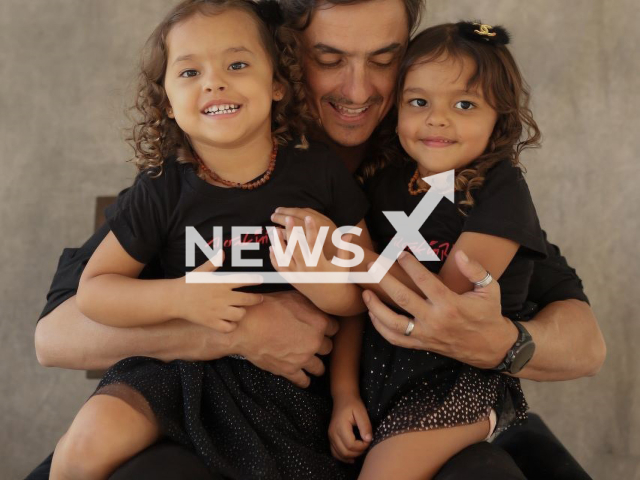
<point x="522" y="357"/>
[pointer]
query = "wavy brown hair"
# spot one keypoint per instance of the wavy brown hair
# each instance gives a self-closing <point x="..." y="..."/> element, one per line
<point x="503" y="87"/>
<point x="155" y="136"/>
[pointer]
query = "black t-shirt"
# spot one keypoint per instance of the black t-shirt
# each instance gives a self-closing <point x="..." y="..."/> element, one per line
<point x="503" y="208"/>
<point x="552" y="280"/>
<point x="151" y="218"/>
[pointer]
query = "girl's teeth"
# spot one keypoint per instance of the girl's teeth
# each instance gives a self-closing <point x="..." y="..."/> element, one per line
<point x="219" y="109"/>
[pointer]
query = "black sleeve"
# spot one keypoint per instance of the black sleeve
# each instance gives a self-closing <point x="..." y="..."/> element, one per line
<point x="70" y="267"/>
<point x="349" y="204"/>
<point x="504" y="208"/>
<point x="139" y="219"/>
<point x="554" y="280"/>
<point x="73" y="260"/>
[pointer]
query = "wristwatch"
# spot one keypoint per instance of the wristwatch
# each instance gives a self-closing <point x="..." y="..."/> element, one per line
<point x="519" y="354"/>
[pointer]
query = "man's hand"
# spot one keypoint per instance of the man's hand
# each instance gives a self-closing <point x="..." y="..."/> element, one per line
<point x="468" y="327"/>
<point x="284" y="335"/>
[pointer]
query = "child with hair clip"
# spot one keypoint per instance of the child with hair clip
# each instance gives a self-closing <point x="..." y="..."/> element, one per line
<point x="220" y="143"/>
<point x="462" y="106"/>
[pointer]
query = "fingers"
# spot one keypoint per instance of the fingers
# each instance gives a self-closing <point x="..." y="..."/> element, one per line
<point x="240" y="299"/>
<point x="473" y="271"/>
<point x="332" y="327"/>
<point x="232" y="314"/>
<point x="389" y="324"/>
<point x="393" y="336"/>
<point x="345" y="254"/>
<point x="314" y="366"/>
<point x="426" y="281"/>
<point x="299" y="379"/>
<point x="222" y="326"/>
<point x="281" y="219"/>
<point x="346" y="442"/>
<point x="325" y="347"/>
<point x="402" y="295"/>
<point x="298" y="213"/>
<point x="311" y="230"/>
<point x="363" y="423"/>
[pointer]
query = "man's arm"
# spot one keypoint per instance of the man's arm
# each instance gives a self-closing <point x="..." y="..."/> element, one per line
<point x="282" y="335"/>
<point x="65" y="338"/>
<point x="471" y="328"/>
<point x="569" y="343"/>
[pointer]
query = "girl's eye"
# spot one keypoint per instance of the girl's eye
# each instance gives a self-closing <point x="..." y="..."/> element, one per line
<point x="189" y="73"/>
<point x="238" y="66"/>
<point x="418" y="102"/>
<point x="464" y="105"/>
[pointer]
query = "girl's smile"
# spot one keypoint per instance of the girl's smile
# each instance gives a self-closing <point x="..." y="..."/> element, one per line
<point x="442" y="123"/>
<point x="220" y="85"/>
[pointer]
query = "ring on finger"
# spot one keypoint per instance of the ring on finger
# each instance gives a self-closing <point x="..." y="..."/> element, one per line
<point x="409" y="329"/>
<point x="485" y="281"/>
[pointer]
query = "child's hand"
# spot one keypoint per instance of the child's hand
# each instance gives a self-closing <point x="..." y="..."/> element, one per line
<point x="214" y="305"/>
<point x="298" y="263"/>
<point x="349" y="412"/>
<point x="298" y="216"/>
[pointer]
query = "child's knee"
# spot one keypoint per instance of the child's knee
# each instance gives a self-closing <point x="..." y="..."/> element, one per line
<point x="77" y="457"/>
<point x="99" y="439"/>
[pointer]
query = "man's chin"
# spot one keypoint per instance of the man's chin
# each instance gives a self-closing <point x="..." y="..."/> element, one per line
<point x="352" y="136"/>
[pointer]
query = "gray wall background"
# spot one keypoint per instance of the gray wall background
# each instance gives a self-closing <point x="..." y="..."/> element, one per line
<point x="67" y="67"/>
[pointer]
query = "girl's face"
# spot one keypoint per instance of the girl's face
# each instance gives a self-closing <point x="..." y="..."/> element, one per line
<point x="219" y="80"/>
<point x="441" y="124"/>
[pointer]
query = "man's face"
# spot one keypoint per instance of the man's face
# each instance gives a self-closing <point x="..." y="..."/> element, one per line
<point x="352" y="54"/>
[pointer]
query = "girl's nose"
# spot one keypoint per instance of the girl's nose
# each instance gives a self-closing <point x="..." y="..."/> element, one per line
<point x="214" y="82"/>
<point x="437" y="118"/>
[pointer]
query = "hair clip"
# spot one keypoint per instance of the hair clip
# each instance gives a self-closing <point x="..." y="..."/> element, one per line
<point x="481" y="32"/>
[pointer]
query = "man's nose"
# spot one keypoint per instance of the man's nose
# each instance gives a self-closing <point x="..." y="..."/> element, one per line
<point x="357" y="85"/>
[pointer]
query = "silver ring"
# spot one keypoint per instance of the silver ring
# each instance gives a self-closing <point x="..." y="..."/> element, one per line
<point x="409" y="329"/>
<point x="485" y="281"/>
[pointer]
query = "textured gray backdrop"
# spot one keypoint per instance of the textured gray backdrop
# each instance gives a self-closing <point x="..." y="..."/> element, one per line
<point x="67" y="69"/>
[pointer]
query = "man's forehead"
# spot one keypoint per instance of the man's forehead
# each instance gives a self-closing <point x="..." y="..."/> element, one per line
<point x="360" y="28"/>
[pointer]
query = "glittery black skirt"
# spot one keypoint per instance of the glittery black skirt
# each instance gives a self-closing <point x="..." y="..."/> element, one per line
<point x="409" y="390"/>
<point x="243" y="422"/>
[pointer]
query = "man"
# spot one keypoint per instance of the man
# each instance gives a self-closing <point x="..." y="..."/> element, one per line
<point x="351" y="54"/>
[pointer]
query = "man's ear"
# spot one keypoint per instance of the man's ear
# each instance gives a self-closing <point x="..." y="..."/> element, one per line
<point x="278" y="91"/>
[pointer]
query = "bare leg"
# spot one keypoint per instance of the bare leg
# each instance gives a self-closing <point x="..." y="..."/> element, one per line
<point x="419" y="455"/>
<point x="106" y="432"/>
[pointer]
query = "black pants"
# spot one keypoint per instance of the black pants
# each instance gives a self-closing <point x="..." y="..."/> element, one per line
<point x="539" y="455"/>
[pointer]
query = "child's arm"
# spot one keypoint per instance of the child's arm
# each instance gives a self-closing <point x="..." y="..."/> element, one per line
<point x="495" y="253"/>
<point x="348" y="408"/>
<point x="110" y="293"/>
<point x="342" y="299"/>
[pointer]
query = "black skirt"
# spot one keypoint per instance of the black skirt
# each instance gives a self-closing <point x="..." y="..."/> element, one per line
<point x="408" y="390"/>
<point x="243" y="422"/>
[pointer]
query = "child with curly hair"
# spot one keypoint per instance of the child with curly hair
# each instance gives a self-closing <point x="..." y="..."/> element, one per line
<point x="220" y="144"/>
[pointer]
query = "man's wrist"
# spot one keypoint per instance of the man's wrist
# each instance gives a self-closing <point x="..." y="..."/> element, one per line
<point x="504" y="342"/>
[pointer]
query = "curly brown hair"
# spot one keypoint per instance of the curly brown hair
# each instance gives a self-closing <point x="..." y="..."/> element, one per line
<point x="155" y="136"/>
<point x="498" y="76"/>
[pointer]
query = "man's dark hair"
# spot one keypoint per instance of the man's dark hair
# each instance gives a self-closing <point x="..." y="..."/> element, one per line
<point x="298" y="12"/>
